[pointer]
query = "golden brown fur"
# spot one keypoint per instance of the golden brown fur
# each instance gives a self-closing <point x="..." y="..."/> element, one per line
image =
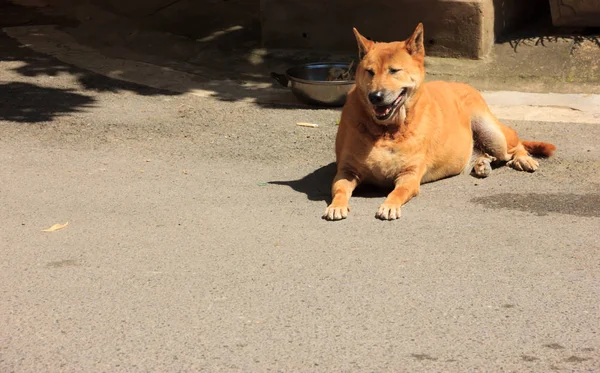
<point x="400" y="132"/>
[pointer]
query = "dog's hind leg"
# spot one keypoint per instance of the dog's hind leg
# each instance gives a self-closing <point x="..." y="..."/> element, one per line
<point x="500" y="142"/>
<point x="489" y="145"/>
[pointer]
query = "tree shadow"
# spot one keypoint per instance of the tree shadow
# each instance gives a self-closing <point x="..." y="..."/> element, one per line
<point x="221" y="55"/>
<point x="576" y="40"/>
<point x="317" y="185"/>
<point x="28" y="103"/>
<point x="34" y="64"/>
<point x="24" y="102"/>
<point x="541" y="32"/>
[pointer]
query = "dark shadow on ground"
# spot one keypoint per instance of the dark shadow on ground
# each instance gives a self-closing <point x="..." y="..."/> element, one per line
<point x="28" y="103"/>
<point x="25" y="102"/>
<point x="317" y="185"/>
<point x="587" y="205"/>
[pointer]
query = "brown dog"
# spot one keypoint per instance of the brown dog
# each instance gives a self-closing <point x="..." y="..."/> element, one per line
<point x="397" y="131"/>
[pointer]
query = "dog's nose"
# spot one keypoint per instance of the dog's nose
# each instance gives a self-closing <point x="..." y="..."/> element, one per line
<point x="376" y="97"/>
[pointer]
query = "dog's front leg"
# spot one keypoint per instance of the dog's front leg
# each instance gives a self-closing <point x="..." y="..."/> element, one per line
<point x="407" y="186"/>
<point x="341" y="190"/>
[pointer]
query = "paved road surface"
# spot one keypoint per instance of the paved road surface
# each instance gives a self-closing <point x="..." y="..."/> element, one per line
<point x="195" y="243"/>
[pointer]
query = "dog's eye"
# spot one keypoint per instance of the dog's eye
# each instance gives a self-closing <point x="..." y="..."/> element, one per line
<point x="371" y="72"/>
<point x="393" y="71"/>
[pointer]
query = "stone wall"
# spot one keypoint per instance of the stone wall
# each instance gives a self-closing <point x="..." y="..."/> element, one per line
<point x="576" y="12"/>
<point x="453" y="28"/>
<point x="459" y="28"/>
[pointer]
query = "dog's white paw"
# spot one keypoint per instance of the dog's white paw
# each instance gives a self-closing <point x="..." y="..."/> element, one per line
<point x="388" y="212"/>
<point x="524" y="163"/>
<point x="336" y="212"/>
<point x="483" y="166"/>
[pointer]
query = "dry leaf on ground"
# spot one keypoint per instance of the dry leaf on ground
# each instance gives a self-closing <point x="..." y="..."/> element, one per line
<point x="56" y="227"/>
<point x="303" y="124"/>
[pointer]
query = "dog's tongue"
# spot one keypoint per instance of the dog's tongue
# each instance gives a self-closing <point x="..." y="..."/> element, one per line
<point x="380" y="110"/>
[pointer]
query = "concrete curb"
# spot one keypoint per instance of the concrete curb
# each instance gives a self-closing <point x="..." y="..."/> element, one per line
<point x="551" y="107"/>
<point x="544" y="107"/>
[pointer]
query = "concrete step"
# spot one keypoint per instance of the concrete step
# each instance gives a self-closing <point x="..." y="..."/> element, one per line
<point x="581" y="108"/>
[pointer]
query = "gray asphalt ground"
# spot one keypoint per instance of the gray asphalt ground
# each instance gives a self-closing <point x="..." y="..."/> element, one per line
<point x="195" y="243"/>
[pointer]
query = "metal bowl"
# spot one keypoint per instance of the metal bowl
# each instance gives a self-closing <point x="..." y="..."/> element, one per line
<point x="310" y="85"/>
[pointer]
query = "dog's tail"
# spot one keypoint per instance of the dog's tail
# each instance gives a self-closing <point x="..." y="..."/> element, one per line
<point x="538" y="148"/>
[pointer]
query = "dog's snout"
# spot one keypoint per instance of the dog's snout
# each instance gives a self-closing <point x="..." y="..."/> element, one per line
<point x="376" y="97"/>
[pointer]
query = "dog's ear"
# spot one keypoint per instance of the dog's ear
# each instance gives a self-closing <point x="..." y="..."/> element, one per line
<point x="364" y="44"/>
<point x="414" y="44"/>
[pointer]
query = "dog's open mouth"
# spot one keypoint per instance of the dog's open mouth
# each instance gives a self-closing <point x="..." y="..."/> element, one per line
<point x="383" y="112"/>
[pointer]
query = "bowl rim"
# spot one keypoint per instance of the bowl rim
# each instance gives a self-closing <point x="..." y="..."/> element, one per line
<point x="318" y="82"/>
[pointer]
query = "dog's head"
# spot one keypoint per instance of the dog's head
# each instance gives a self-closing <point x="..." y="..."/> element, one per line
<point x="390" y="74"/>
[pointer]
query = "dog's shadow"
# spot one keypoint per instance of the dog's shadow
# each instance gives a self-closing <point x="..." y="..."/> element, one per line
<point x="317" y="185"/>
